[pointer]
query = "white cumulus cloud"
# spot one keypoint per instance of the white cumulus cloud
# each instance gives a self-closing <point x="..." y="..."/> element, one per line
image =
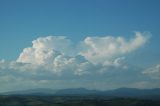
<point x="101" y="49"/>
<point x="45" y="49"/>
<point x="53" y="57"/>
<point x="94" y="61"/>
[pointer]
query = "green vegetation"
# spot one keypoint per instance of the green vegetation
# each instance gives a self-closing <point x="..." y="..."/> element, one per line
<point x="73" y="101"/>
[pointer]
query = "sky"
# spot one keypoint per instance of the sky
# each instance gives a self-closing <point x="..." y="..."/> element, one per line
<point x="94" y="44"/>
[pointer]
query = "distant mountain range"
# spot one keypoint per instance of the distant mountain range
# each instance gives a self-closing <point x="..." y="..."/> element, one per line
<point x="121" y="92"/>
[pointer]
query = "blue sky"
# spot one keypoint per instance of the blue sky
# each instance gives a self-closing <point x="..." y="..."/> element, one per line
<point x="22" y="21"/>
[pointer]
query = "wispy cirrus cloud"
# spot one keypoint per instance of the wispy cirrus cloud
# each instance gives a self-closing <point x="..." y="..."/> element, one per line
<point x="153" y="72"/>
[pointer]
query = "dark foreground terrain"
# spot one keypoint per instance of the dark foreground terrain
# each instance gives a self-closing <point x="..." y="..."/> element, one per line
<point x="73" y="101"/>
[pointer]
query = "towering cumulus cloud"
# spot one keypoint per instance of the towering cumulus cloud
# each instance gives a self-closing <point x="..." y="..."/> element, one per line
<point x="56" y="54"/>
<point x="59" y="56"/>
<point x="54" y="61"/>
<point x="102" y="49"/>
<point x="45" y="49"/>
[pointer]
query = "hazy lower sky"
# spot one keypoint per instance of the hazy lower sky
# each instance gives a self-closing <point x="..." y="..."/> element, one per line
<point x="95" y="44"/>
